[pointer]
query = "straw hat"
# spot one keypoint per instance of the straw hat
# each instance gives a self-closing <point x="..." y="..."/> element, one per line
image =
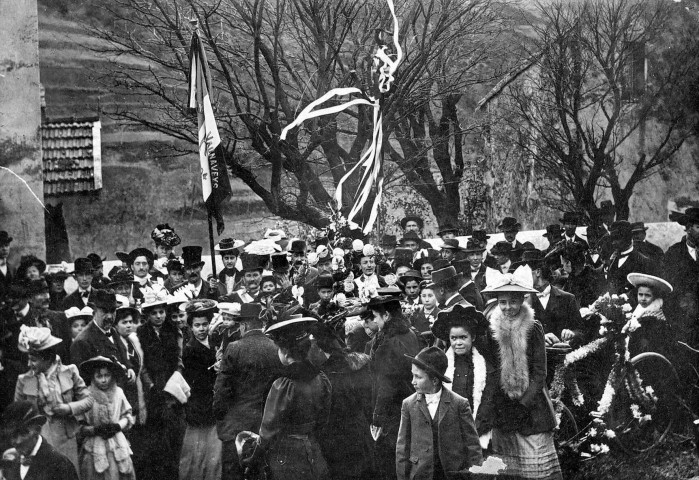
<point x="659" y="286"/>
<point x="520" y="281"/>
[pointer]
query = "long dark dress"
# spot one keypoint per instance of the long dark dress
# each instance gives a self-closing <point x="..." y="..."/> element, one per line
<point x="297" y="408"/>
<point x="347" y="437"/>
<point x="165" y="426"/>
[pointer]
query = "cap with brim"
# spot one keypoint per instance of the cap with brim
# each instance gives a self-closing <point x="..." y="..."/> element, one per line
<point x="638" y="227"/>
<point x="459" y="315"/>
<point x="433" y="361"/>
<point x="36" y="339"/>
<point x="411" y="275"/>
<point x="659" y="286"/>
<point x="21" y="415"/>
<point x="451" y="244"/>
<point x="88" y="367"/>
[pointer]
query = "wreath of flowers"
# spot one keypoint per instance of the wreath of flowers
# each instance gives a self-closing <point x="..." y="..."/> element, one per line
<point x="614" y="316"/>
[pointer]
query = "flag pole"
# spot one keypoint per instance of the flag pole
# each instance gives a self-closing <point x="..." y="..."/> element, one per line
<point x="211" y="243"/>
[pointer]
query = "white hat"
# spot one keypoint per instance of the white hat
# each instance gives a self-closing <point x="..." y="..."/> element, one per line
<point x="75" y="312"/>
<point x="231" y="308"/>
<point x="659" y="286"/>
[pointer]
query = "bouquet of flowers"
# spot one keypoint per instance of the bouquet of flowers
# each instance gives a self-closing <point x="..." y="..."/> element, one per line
<point x="612" y="312"/>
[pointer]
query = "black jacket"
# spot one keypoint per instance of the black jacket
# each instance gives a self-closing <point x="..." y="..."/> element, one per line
<point x="562" y="312"/>
<point x="248" y="368"/>
<point x="347" y="438"/>
<point x="92" y="342"/>
<point x="616" y="275"/>
<point x="47" y="464"/>
<point x="198" y="360"/>
<point x="75" y="299"/>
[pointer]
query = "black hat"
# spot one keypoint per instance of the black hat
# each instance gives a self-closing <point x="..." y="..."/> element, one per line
<point x="37" y="286"/>
<point x="451" y="244"/>
<point x="638" y="227"/>
<point x="280" y="262"/>
<point x="440" y="263"/>
<point x="383" y="300"/>
<point x="298" y="246"/>
<point x="291" y="327"/>
<point x="163" y="234"/>
<point x="253" y="262"/>
<point x="227" y="245"/>
<point x="447" y="228"/>
<point x="413" y="218"/>
<point x="141" y="252"/>
<point x="411" y="235"/>
<point x="553" y="231"/>
<point x="443" y="275"/>
<point x="20" y="415"/>
<point x="481" y="236"/>
<point x="28" y="261"/>
<point x="96" y="260"/>
<point x="689" y="216"/>
<point x="466" y="316"/>
<point x="325" y="281"/>
<point x="5" y="238"/>
<point x="502" y="248"/>
<point x="533" y="258"/>
<point x="104" y="299"/>
<point x="88" y="367"/>
<point x="174" y="265"/>
<point x="268" y="278"/>
<point x="191" y="255"/>
<point x="249" y="311"/>
<point x="418" y="263"/>
<point x="410" y="275"/>
<point x="571" y="218"/>
<point x="474" y="247"/>
<point x="620" y="229"/>
<point x="58" y="275"/>
<point x="119" y="276"/>
<point x="509" y="224"/>
<point x="123" y="256"/>
<point x="433" y="361"/>
<point x="83" y="266"/>
<point x="201" y="307"/>
<point x="389" y="240"/>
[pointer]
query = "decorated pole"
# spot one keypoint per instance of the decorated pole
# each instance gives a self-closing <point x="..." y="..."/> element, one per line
<point x="366" y="200"/>
<point x="215" y="185"/>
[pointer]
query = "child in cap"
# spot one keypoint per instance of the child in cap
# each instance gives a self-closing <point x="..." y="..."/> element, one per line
<point x="227" y="330"/>
<point x="105" y="452"/>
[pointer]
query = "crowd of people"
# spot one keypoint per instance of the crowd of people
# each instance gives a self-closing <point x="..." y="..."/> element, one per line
<point x="338" y="356"/>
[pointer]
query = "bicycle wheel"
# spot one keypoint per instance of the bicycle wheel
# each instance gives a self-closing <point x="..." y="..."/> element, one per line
<point x="567" y="429"/>
<point x="643" y="415"/>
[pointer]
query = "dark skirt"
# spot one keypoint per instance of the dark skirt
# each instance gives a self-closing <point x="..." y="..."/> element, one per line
<point x="297" y="457"/>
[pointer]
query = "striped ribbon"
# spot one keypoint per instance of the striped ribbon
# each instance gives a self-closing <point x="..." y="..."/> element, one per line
<point x="371" y="181"/>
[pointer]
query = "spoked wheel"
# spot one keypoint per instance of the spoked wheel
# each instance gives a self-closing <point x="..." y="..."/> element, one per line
<point x="642" y="414"/>
<point x="567" y="429"/>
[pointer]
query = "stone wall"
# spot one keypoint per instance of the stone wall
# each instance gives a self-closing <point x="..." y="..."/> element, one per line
<point x="21" y="210"/>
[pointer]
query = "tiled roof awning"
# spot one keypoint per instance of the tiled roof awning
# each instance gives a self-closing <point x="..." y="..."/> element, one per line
<point x="72" y="156"/>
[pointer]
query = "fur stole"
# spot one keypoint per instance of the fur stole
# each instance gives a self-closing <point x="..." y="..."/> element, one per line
<point x="479" y="376"/>
<point x="512" y="336"/>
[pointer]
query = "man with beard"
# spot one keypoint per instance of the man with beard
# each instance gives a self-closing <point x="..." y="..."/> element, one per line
<point x="253" y="266"/>
<point x="100" y="338"/>
<point x="192" y="271"/>
<point x="6" y="270"/>
<point x="84" y="273"/>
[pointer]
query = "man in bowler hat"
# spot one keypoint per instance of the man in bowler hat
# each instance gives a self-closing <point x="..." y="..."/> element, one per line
<point x="31" y="456"/>
<point x="84" y="274"/>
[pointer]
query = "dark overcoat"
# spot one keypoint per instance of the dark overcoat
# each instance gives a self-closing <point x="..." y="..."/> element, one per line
<point x="198" y="360"/>
<point x="47" y="464"/>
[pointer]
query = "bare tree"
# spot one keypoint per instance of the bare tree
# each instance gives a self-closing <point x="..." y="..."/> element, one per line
<point x="271" y="58"/>
<point x="600" y="107"/>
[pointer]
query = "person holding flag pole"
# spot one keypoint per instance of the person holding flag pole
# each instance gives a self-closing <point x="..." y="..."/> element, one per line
<point x="215" y="185"/>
